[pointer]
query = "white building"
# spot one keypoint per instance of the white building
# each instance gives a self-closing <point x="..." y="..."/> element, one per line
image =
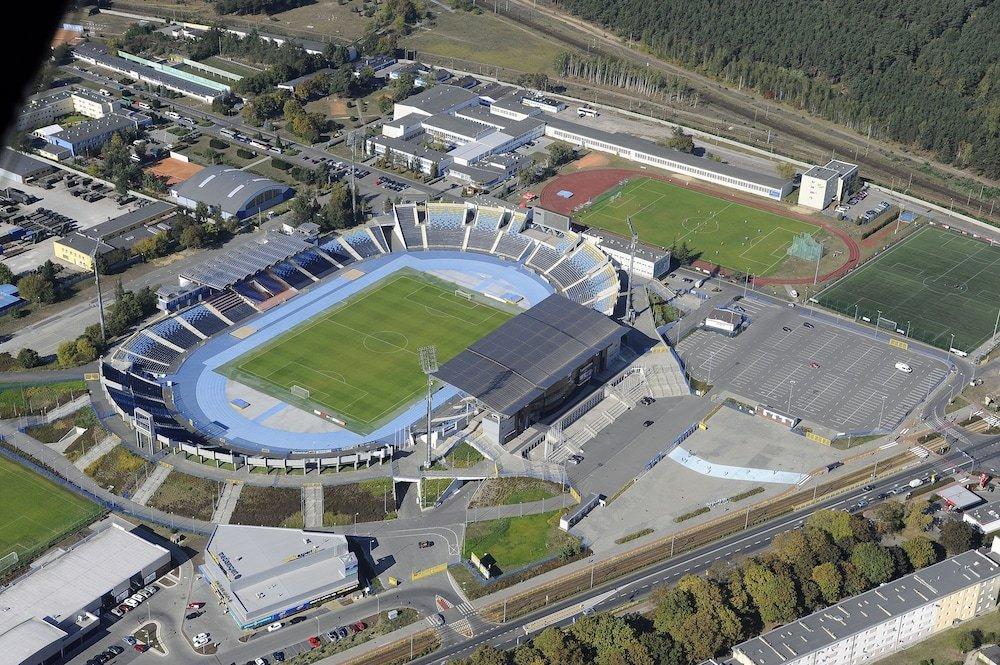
<point x="822" y="185"/>
<point x="263" y="574"/>
<point x="986" y="517"/>
<point x="889" y="618"/>
<point x="650" y="262"/>
<point x="43" y="109"/>
<point x="55" y="606"/>
<point x="724" y="321"/>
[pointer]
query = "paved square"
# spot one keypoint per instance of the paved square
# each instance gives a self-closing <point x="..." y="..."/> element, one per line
<point x="846" y="392"/>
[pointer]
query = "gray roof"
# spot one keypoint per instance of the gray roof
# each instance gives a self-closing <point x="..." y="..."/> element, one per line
<point x="264" y="570"/>
<point x="517" y="362"/>
<point x="650" y="148"/>
<point x="299" y="80"/>
<point x="843" y="168"/>
<point x="439" y="98"/>
<point x="59" y="588"/>
<point x="729" y="316"/>
<point x="113" y="122"/>
<point x="450" y="123"/>
<point x="854" y="615"/>
<point x="986" y="513"/>
<point x="413" y="146"/>
<point x="224" y="187"/>
<point x="21" y="165"/>
<point x="642" y="251"/>
<point x="821" y="172"/>
<point x="105" y="59"/>
<point x="82" y="243"/>
<point x="140" y="215"/>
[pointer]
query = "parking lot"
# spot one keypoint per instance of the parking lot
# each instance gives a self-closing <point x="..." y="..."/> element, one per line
<point x="819" y="372"/>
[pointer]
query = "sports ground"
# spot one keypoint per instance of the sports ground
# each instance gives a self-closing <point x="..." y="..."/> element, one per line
<point x="722" y="232"/>
<point x="359" y="360"/>
<point x="37" y="512"/>
<point x="933" y="284"/>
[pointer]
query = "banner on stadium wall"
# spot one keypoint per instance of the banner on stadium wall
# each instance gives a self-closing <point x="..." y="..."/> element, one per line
<point x="899" y="344"/>
<point x="812" y="436"/>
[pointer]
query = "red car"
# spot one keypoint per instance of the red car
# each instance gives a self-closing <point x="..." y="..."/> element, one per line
<point x="314" y="642"/>
<point x="814" y="365"/>
<point x="359" y="626"/>
<point x="195" y="606"/>
<point x="140" y="647"/>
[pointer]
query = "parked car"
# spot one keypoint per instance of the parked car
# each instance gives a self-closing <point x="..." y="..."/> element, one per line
<point x="808" y="325"/>
<point x="115" y="649"/>
<point x="437" y="620"/>
<point x="424" y="544"/>
<point x="279" y="656"/>
<point x="814" y="365"/>
<point x="274" y="626"/>
<point x="786" y="328"/>
<point x="140" y="648"/>
<point x="129" y="640"/>
<point x="342" y="631"/>
<point x="647" y="423"/>
<point x="314" y="642"/>
<point x="360" y="625"/>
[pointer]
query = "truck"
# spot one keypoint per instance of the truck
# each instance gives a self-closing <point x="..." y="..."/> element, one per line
<point x="916" y="482"/>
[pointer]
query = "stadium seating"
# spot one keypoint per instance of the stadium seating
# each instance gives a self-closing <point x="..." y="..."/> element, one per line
<point x="412" y="235"/>
<point x="512" y="245"/>
<point x="175" y="333"/>
<point x="317" y="265"/>
<point x="231" y="306"/>
<point x="269" y="283"/>
<point x="204" y="320"/>
<point x="250" y="292"/>
<point x="143" y="346"/>
<point x="581" y="292"/>
<point x="362" y="243"/>
<point x="489" y="219"/>
<point x="291" y="275"/>
<point x="544" y="258"/>
<point x="446" y="215"/>
<point x="481" y="240"/>
<point x="565" y="273"/>
<point x="334" y="250"/>
<point x="587" y="258"/>
<point x="606" y="305"/>
<point x="604" y="279"/>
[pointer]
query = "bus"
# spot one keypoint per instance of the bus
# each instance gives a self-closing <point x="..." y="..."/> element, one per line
<point x="586" y="112"/>
<point x="225" y="131"/>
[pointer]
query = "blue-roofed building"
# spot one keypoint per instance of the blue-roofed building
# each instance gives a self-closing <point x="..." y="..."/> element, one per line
<point x="10" y="299"/>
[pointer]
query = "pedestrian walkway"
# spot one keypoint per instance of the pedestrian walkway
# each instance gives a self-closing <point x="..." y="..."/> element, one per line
<point x="227" y="502"/>
<point x="699" y="465"/>
<point x="96" y="452"/>
<point x="312" y="505"/>
<point x="152" y="483"/>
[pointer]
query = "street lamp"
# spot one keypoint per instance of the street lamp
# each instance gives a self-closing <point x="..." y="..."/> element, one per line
<point x="791" y="384"/>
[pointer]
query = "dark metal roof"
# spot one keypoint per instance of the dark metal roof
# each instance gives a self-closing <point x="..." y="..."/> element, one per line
<point x="517" y="362"/>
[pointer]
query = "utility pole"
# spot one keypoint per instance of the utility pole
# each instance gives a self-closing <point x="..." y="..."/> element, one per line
<point x="630" y="315"/>
<point x="97" y="283"/>
<point x="429" y="365"/>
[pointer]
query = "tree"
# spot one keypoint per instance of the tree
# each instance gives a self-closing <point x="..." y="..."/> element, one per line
<point x="958" y="536"/>
<point x="200" y="212"/>
<point x="560" y="153"/>
<point x="786" y="170"/>
<point x="889" y="516"/>
<point x="920" y="552"/>
<point x="153" y="246"/>
<point x="35" y="288"/>
<point x="918" y="515"/>
<point x="66" y="354"/>
<point x="193" y="236"/>
<point x="28" y="358"/>
<point x="874" y="562"/>
<point x="837" y="523"/>
<point x="678" y="140"/>
<point x="304" y="208"/>
<point x="487" y="654"/>
<point x="830" y="581"/>
<point x="968" y="640"/>
<point x="682" y="254"/>
<point x="402" y="87"/>
<point x="337" y="213"/>
<point x="773" y="592"/>
<point x="7" y="275"/>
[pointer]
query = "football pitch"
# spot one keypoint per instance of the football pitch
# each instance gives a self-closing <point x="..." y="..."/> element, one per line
<point x="359" y="360"/>
<point x="37" y="512"/>
<point x="725" y="233"/>
<point x="935" y="283"/>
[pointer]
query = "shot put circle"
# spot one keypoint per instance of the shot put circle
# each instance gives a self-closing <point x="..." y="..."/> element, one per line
<point x="944" y="284"/>
<point x="386" y="341"/>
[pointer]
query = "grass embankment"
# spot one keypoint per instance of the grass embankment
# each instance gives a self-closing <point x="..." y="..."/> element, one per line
<point x="368" y="500"/>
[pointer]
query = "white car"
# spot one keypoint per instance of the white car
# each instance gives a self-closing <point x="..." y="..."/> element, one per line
<point x="201" y="636"/>
<point x="274" y="626"/>
<point x="903" y="367"/>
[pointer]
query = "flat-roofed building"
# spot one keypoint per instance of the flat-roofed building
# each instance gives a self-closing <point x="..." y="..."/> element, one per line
<point x="263" y="574"/>
<point x="20" y="168"/>
<point x="44" y="108"/>
<point x="650" y="262"/>
<point x="56" y="605"/>
<point x="725" y="321"/>
<point x="435" y="100"/>
<point x="889" y="618"/>
<point x="89" y="136"/>
<point x="986" y="517"/>
<point x="80" y="248"/>
<point x="823" y="185"/>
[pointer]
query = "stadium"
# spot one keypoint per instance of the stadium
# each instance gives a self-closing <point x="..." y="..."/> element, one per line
<point x="293" y="355"/>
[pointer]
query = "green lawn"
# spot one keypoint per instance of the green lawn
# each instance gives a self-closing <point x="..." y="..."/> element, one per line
<point x="516" y="542"/>
<point x="37" y="512"/>
<point x="722" y="232"/>
<point x="934" y="284"/>
<point x="358" y="360"/>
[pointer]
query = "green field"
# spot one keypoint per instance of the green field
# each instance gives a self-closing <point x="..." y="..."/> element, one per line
<point x="359" y="359"/>
<point x="516" y="542"/>
<point x="37" y="512"/>
<point x="934" y="284"/>
<point x="722" y="232"/>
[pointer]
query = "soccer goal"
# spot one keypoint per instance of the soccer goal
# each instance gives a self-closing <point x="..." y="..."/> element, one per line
<point x="299" y="391"/>
<point x="8" y="561"/>
<point x="464" y="294"/>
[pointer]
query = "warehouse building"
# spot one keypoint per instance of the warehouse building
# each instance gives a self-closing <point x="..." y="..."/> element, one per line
<point x="263" y="574"/>
<point x="646" y="152"/>
<point x="823" y="185"/>
<point x="80" y="249"/>
<point x="88" y="137"/>
<point x="57" y="605"/>
<point x="165" y="77"/>
<point x="232" y="192"/>
<point x="20" y="168"/>
<point x="986" y="517"/>
<point x="889" y="618"/>
<point x="530" y="365"/>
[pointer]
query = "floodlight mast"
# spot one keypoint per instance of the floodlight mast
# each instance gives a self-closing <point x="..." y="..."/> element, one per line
<point x="630" y="313"/>
<point x="429" y="365"/>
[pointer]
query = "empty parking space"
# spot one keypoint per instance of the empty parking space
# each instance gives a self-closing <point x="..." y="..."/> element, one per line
<point x="823" y="374"/>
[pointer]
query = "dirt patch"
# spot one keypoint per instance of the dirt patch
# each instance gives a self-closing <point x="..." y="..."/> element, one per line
<point x="173" y="171"/>
<point x="590" y="161"/>
<point x="63" y="36"/>
<point x="338" y="108"/>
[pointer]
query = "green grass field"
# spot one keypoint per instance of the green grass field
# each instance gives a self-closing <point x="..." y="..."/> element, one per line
<point x="359" y="359"/>
<point x="725" y="233"/>
<point x="516" y="542"/>
<point x="935" y="283"/>
<point x="37" y="512"/>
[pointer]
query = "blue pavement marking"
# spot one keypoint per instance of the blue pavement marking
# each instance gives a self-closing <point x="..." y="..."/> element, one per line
<point x="270" y="412"/>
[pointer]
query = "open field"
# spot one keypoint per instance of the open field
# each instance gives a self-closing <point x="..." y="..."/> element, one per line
<point x="933" y="284"/>
<point x="942" y="648"/>
<point x="512" y="490"/>
<point x="36" y="511"/>
<point x="269" y="506"/>
<point x="366" y="501"/>
<point x="359" y="359"/>
<point x="187" y="495"/>
<point x="516" y="542"/>
<point x="719" y="231"/>
<point x="17" y="398"/>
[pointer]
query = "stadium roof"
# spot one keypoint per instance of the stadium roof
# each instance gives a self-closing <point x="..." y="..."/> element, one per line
<point x="226" y="188"/>
<point x="264" y="570"/>
<point x="517" y="362"/>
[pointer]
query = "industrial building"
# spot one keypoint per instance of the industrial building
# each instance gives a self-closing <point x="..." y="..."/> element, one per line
<point x="81" y="248"/>
<point x="55" y="606"/>
<point x="231" y="192"/>
<point x="530" y="365"/>
<point x="20" y="168"/>
<point x="823" y="185"/>
<point x="45" y="108"/>
<point x="986" y="517"/>
<point x="88" y="137"/>
<point x="886" y="619"/>
<point x="263" y="574"/>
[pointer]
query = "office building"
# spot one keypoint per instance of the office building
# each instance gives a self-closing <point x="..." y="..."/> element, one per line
<point x="823" y="185"/>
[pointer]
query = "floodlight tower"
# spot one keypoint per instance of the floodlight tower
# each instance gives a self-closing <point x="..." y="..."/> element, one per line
<point x="630" y="312"/>
<point x="429" y="365"/>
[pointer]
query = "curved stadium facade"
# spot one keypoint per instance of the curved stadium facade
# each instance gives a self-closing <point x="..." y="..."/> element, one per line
<point x="271" y="294"/>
